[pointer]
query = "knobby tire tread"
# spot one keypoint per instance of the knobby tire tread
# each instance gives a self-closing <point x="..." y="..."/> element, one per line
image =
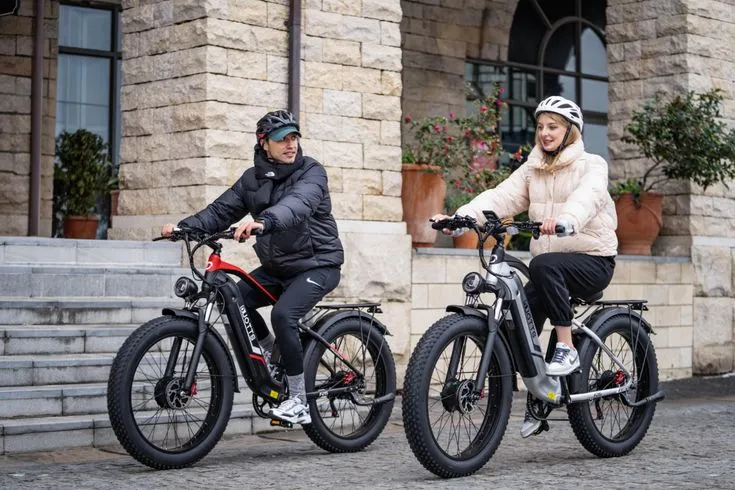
<point x="413" y="389"/>
<point x="123" y="360"/>
<point x="313" y="431"/>
<point x="586" y="432"/>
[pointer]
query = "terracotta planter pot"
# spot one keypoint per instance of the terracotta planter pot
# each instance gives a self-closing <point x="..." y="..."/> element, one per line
<point x="80" y="227"/>
<point x="422" y="194"/>
<point x="638" y="225"/>
<point x="470" y="240"/>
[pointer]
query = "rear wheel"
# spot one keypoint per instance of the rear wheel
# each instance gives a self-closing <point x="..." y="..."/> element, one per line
<point x="452" y="430"/>
<point x="607" y="426"/>
<point x="348" y="420"/>
<point x="158" y="422"/>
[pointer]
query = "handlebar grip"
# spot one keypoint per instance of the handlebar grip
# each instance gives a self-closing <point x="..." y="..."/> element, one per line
<point x="563" y="228"/>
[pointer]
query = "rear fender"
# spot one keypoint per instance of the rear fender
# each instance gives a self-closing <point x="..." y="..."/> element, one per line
<point x="181" y="313"/>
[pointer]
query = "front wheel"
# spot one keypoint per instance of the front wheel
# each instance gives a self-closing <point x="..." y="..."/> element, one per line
<point x="609" y="427"/>
<point x="351" y="408"/>
<point x="452" y="426"/>
<point x="158" y="421"/>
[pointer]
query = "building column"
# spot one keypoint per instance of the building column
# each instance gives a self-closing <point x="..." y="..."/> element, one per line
<point x="674" y="47"/>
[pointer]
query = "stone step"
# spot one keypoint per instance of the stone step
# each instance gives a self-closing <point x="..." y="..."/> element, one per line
<point x="51" y="433"/>
<point x="37" y="250"/>
<point x="62" y="339"/>
<point x="82" y="310"/>
<point x="64" y="400"/>
<point x="46" y="281"/>
<point x="18" y="371"/>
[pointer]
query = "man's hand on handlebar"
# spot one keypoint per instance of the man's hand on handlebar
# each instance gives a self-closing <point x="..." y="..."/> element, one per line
<point x="246" y="230"/>
<point x="167" y="230"/>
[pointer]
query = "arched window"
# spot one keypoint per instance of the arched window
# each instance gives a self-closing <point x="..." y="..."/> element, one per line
<point x="556" y="47"/>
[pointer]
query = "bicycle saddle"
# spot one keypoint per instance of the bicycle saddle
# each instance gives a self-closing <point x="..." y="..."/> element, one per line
<point x="586" y="300"/>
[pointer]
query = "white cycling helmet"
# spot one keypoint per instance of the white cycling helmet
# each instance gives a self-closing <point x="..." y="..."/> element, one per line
<point x="563" y="107"/>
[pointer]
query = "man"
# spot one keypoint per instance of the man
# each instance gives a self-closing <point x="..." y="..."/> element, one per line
<point x="299" y="249"/>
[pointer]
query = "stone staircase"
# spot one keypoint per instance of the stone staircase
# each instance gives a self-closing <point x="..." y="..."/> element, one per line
<point x="66" y="306"/>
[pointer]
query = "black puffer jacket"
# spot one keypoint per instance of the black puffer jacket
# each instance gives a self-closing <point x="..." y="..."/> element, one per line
<point x="294" y="204"/>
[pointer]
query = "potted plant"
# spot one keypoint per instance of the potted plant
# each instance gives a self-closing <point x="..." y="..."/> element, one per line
<point x="443" y="146"/>
<point x="83" y="172"/>
<point x="474" y="181"/>
<point x="684" y="138"/>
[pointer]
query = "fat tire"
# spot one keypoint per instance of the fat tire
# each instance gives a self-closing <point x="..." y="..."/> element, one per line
<point x="415" y="391"/>
<point x="580" y="416"/>
<point x="377" y="419"/>
<point x="120" y="381"/>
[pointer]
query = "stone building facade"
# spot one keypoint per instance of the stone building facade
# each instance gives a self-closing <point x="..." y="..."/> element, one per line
<point x="197" y="76"/>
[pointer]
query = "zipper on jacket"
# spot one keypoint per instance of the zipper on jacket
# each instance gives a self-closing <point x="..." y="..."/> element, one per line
<point x="553" y="184"/>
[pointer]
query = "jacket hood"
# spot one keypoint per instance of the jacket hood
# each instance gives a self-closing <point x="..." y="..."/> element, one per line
<point x="567" y="156"/>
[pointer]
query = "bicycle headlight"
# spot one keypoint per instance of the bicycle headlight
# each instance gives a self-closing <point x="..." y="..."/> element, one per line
<point x="473" y="283"/>
<point x="185" y="287"/>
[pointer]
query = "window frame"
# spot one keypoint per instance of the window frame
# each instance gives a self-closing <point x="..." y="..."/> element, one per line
<point x="539" y="70"/>
<point x="115" y="57"/>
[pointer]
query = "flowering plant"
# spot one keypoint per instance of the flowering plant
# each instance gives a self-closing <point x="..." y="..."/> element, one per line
<point x="456" y="142"/>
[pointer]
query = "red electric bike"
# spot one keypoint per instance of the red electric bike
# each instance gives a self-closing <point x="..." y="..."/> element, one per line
<point x="171" y="387"/>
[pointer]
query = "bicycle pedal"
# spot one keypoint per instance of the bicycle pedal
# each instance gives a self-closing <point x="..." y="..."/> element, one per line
<point x="281" y="423"/>
<point x="543" y="427"/>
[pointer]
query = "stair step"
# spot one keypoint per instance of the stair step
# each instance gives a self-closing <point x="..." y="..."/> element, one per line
<point x="37" y="250"/>
<point x="34" y="281"/>
<point x="62" y="339"/>
<point x="54" y="369"/>
<point x="51" y="433"/>
<point x="64" y="400"/>
<point x="82" y="310"/>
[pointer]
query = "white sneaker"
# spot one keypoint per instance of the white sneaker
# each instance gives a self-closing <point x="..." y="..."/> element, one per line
<point x="293" y="411"/>
<point x="565" y="361"/>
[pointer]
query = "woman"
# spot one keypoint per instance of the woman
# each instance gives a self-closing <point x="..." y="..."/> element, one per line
<point x="560" y="181"/>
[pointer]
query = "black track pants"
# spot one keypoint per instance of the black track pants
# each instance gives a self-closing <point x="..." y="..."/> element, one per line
<point x="557" y="276"/>
<point x="296" y="296"/>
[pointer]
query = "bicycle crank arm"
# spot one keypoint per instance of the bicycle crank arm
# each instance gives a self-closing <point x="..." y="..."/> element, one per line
<point x="377" y="401"/>
<point x="653" y="398"/>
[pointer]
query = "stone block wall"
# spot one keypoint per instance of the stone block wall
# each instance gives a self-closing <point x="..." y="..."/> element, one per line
<point x="673" y="47"/>
<point x="16" y="62"/>
<point x="665" y="282"/>
<point x="437" y="38"/>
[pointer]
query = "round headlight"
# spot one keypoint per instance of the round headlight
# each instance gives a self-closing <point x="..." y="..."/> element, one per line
<point x="473" y="283"/>
<point x="185" y="287"/>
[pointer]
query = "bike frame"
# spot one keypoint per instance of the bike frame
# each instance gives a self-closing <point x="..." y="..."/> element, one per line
<point x="221" y="291"/>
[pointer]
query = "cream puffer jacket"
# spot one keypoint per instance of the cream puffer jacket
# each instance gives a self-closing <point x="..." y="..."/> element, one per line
<point x="575" y="190"/>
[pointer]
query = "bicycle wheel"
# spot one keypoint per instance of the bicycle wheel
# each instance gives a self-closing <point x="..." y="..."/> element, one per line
<point x="608" y="427"/>
<point x="452" y="432"/>
<point x="349" y="421"/>
<point x="154" y="421"/>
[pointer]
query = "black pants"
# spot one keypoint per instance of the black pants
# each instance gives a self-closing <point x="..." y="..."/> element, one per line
<point x="557" y="276"/>
<point x="296" y="296"/>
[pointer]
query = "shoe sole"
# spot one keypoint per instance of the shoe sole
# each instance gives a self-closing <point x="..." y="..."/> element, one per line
<point x="302" y="421"/>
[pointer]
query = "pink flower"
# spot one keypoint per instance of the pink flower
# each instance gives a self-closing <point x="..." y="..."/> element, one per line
<point x="483" y="109"/>
<point x="501" y="90"/>
<point x="437" y="128"/>
<point x="499" y="102"/>
<point x="407" y="119"/>
<point x="450" y="139"/>
<point x="466" y="132"/>
<point x="451" y="116"/>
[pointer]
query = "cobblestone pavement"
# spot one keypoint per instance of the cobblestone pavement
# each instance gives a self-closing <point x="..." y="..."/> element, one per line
<point x="689" y="445"/>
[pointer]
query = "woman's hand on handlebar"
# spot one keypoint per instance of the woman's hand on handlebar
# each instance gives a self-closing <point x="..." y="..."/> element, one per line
<point x="440" y="217"/>
<point x="246" y="230"/>
<point x="548" y="226"/>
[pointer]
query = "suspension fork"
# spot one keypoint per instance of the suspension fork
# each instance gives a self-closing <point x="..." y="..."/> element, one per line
<point x="493" y="320"/>
<point x="204" y="313"/>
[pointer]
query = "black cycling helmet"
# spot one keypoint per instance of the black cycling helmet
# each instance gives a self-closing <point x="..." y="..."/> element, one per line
<point x="276" y="125"/>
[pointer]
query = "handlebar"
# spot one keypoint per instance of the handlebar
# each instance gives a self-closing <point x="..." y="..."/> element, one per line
<point x="495" y="225"/>
<point x="191" y="234"/>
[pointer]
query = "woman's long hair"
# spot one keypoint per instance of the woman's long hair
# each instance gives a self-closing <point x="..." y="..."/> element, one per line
<point x="550" y="159"/>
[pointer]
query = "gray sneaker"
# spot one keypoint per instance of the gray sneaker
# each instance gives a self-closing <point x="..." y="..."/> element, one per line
<point x="565" y="361"/>
<point x="530" y="426"/>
